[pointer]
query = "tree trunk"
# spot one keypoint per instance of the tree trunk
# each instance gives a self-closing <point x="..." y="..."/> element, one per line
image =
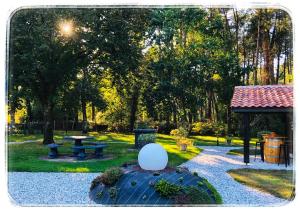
<point x="12" y="118"/>
<point x="94" y="113"/>
<point x="284" y="70"/>
<point x="209" y="106"/>
<point x="133" y="108"/>
<point x="267" y="73"/>
<point x="278" y="67"/>
<point x="48" y="123"/>
<point x="257" y="53"/>
<point x="28" y="110"/>
<point x="84" y="117"/>
<point x="228" y="120"/>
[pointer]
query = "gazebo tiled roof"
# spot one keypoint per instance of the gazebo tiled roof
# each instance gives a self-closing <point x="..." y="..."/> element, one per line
<point x="255" y="98"/>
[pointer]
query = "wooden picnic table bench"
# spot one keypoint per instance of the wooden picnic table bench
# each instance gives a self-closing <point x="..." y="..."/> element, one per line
<point x="81" y="150"/>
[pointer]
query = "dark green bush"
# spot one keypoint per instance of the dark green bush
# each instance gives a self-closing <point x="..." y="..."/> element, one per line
<point x="95" y="182"/>
<point x="209" y="128"/>
<point x="111" y="176"/>
<point x="167" y="189"/>
<point x="193" y="195"/>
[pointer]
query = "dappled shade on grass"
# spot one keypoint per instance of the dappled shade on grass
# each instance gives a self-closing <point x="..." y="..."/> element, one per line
<point x="279" y="183"/>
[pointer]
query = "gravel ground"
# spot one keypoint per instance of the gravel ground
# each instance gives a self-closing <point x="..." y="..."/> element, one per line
<point x="42" y="188"/>
<point x="212" y="164"/>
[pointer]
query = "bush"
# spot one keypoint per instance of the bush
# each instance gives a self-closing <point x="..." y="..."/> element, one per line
<point x="167" y="189"/>
<point x="147" y="138"/>
<point x="164" y="127"/>
<point x="95" y="182"/>
<point x="180" y="132"/>
<point x="111" y="176"/>
<point x="209" y="128"/>
<point x="193" y="195"/>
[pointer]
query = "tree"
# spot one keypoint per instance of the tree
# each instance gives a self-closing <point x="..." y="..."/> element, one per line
<point x="43" y="59"/>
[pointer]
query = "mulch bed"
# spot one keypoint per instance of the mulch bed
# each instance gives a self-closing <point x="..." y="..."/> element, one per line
<point x="142" y="193"/>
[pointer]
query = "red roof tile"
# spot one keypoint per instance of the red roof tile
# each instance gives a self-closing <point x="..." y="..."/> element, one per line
<point x="266" y="96"/>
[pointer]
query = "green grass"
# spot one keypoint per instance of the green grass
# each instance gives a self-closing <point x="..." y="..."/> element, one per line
<point x="216" y="194"/>
<point x="279" y="183"/>
<point x="241" y="152"/>
<point x="26" y="156"/>
<point x="212" y="141"/>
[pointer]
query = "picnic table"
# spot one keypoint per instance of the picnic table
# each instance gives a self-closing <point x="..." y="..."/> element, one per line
<point x="77" y="141"/>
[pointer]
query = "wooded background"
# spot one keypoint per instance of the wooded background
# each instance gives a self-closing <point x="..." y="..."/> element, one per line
<point x="143" y="67"/>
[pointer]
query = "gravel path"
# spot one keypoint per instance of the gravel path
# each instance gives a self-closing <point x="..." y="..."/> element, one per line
<point x="212" y="164"/>
<point x="42" y="188"/>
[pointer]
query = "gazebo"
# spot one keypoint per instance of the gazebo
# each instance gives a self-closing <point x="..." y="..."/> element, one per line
<point x="261" y="99"/>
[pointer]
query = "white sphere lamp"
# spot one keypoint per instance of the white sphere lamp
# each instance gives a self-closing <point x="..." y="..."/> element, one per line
<point x="153" y="157"/>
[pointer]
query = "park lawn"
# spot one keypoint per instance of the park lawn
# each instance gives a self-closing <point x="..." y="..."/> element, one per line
<point x="241" y="152"/>
<point x="212" y="141"/>
<point x="279" y="183"/>
<point x="58" y="135"/>
<point x="26" y="156"/>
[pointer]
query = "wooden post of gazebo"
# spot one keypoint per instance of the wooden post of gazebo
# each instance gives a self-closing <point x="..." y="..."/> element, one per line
<point x="246" y="137"/>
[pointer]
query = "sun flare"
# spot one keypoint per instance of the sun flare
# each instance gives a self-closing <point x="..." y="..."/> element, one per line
<point x="66" y="28"/>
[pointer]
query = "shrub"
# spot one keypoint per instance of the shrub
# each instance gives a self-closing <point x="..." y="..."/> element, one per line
<point x="167" y="189"/>
<point x="95" y="182"/>
<point x="164" y="127"/>
<point x="180" y="132"/>
<point x="184" y="141"/>
<point x="208" y="128"/>
<point x="133" y="183"/>
<point x="111" y="176"/>
<point x="113" y="192"/>
<point x="147" y="138"/>
<point x="193" y="195"/>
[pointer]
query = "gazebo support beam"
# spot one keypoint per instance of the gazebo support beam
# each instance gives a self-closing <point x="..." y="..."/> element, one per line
<point x="246" y="117"/>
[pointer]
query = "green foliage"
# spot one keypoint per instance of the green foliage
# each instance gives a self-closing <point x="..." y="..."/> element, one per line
<point x="167" y="189"/>
<point x="133" y="183"/>
<point x="97" y="181"/>
<point x="180" y="179"/>
<point x="99" y="195"/>
<point x="193" y="195"/>
<point x="113" y="192"/>
<point x="216" y="194"/>
<point x="208" y="128"/>
<point x="111" y="176"/>
<point x="180" y="132"/>
<point x="147" y="138"/>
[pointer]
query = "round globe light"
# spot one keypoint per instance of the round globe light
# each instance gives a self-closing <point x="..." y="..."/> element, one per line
<point x="153" y="157"/>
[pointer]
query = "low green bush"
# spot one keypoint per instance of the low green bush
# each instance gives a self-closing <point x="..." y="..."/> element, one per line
<point x="193" y="195"/>
<point x="209" y="128"/>
<point x="111" y="176"/>
<point x="167" y="189"/>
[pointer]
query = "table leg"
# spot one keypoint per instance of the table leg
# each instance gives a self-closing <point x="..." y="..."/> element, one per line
<point x="99" y="152"/>
<point x="53" y="152"/>
<point x="78" y="142"/>
<point x="81" y="155"/>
